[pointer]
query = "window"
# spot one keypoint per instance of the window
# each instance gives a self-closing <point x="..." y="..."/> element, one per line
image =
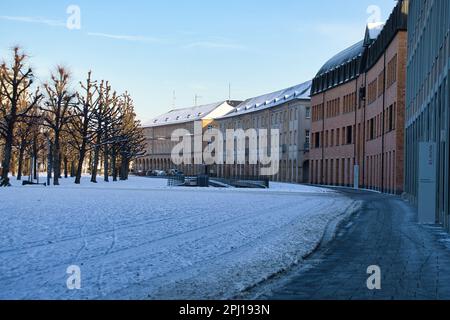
<point x="391" y="118"/>
<point x="338" y="135"/>
<point x="349" y="134"/>
<point x="308" y="113"/>
<point x="381" y="84"/>
<point x="332" y="139"/>
<point x="392" y="71"/>
<point x="372" y="92"/>
<point x="317" y="112"/>
<point x="371" y="129"/>
<point x="349" y="102"/>
<point x="307" y="139"/>
<point x="317" y="140"/>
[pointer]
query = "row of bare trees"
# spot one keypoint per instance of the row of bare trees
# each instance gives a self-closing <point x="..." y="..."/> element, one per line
<point x="62" y="129"/>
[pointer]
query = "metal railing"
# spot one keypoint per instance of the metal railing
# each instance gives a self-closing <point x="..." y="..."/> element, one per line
<point x="191" y="181"/>
<point x="176" y="181"/>
<point x="246" y="182"/>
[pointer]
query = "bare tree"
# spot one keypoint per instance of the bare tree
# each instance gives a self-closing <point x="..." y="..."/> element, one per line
<point x="130" y="141"/>
<point x="15" y="81"/>
<point x="57" y="113"/>
<point x="110" y="130"/>
<point x="38" y="142"/>
<point x="81" y="127"/>
<point x="103" y="116"/>
<point x="25" y="135"/>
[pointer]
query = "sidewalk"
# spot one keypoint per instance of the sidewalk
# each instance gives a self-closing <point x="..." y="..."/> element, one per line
<point x="414" y="259"/>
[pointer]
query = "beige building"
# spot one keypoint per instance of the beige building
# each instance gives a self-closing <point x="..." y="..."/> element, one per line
<point x="287" y="110"/>
<point x="159" y="131"/>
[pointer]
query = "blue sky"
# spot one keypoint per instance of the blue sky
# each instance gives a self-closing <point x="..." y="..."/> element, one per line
<point x="153" y="48"/>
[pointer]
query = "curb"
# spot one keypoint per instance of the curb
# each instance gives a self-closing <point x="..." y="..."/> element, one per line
<point x="334" y="225"/>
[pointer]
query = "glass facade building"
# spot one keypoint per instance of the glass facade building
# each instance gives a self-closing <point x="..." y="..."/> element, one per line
<point x="427" y="102"/>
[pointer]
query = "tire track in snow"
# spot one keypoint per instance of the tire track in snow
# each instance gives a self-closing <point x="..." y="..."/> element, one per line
<point x="192" y="232"/>
<point x="102" y="266"/>
<point x="96" y="234"/>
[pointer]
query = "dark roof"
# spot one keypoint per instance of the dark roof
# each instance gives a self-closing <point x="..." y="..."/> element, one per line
<point x="362" y="56"/>
<point x="343" y="57"/>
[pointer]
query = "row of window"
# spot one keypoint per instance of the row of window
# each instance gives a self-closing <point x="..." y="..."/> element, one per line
<point x="392" y="72"/>
<point x="335" y="171"/>
<point x="317" y="112"/>
<point x="374" y="125"/>
<point x="372" y="91"/>
<point x="275" y="118"/>
<point x="333" y="108"/>
<point x="289" y="139"/>
<point x="334" y="137"/>
<point x="422" y="81"/>
<point x="350" y="102"/>
<point x="376" y="88"/>
<point x="333" y="78"/>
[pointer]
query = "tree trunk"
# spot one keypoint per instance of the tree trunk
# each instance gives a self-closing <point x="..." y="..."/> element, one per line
<point x="114" y="165"/>
<point x="66" y="167"/>
<point x="96" y="158"/>
<point x="20" y="167"/>
<point x="6" y="165"/>
<point x="80" y="167"/>
<point x="35" y="161"/>
<point x="106" y="163"/>
<point x="49" y="161"/>
<point x="95" y="164"/>
<point x="124" y="170"/>
<point x="56" y="161"/>
<point x="72" y="169"/>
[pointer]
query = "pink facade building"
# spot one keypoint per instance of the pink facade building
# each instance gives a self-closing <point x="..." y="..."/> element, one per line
<point x="358" y="111"/>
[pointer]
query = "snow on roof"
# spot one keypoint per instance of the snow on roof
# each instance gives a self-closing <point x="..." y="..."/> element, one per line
<point x="343" y="57"/>
<point x="374" y="29"/>
<point x="184" y="115"/>
<point x="298" y="92"/>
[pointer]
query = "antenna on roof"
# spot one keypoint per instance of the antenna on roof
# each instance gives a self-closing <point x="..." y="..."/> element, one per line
<point x="174" y="99"/>
<point x="229" y="91"/>
<point x="196" y="98"/>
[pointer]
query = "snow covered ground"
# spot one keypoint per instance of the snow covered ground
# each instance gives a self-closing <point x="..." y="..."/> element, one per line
<point x="140" y="239"/>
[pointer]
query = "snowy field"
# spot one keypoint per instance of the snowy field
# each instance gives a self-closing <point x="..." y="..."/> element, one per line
<point x="143" y="240"/>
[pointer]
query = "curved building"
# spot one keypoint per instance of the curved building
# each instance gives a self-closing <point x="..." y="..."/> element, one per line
<point x="358" y="100"/>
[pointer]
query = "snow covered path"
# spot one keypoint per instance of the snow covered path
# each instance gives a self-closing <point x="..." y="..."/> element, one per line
<point x="142" y="240"/>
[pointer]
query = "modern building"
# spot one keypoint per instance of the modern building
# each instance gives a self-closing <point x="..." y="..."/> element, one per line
<point x="158" y="133"/>
<point x="428" y="94"/>
<point x="289" y="111"/>
<point x="358" y="104"/>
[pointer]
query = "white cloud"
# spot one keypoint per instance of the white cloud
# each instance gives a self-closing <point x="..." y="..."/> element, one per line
<point x="40" y="20"/>
<point x="125" y="37"/>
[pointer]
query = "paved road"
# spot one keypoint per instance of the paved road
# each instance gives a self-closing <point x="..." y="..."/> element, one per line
<point x="414" y="259"/>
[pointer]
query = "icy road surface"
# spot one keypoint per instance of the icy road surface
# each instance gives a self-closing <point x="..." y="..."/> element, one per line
<point x="142" y="240"/>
